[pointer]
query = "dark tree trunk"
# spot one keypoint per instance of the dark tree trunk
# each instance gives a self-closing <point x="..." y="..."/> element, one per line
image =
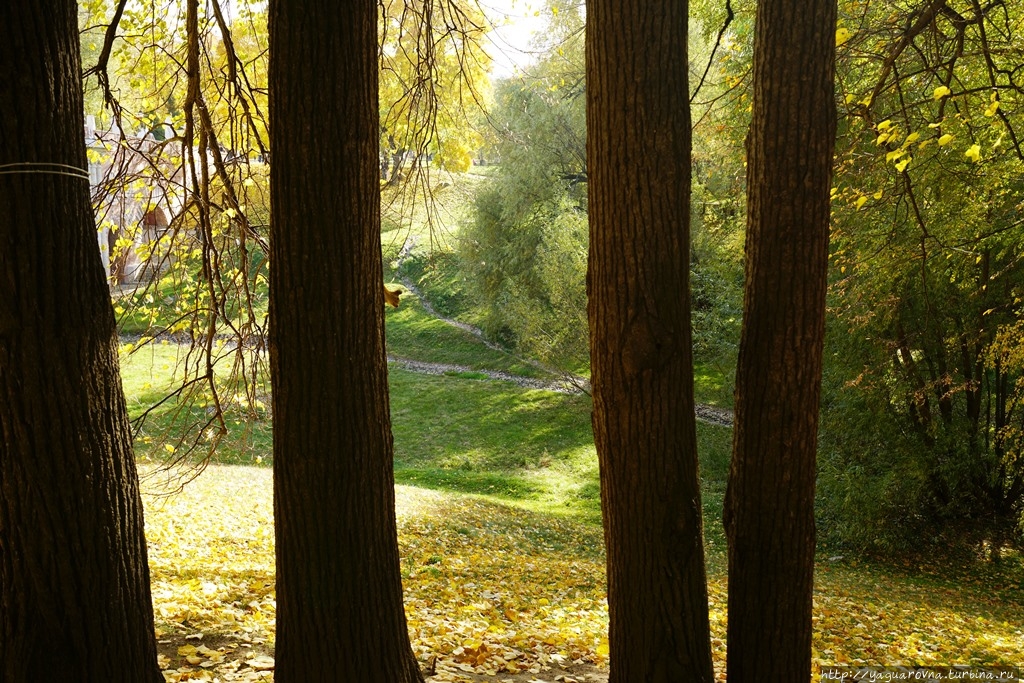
<point x="638" y="161"/>
<point x="770" y="500"/>
<point x="74" y="581"/>
<point x="340" y="615"/>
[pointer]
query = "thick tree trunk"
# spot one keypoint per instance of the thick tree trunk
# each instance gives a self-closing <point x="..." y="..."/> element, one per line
<point x="638" y="156"/>
<point x="770" y="499"/>
<point x="74" y="581"/>
<point x="339" y="594"/>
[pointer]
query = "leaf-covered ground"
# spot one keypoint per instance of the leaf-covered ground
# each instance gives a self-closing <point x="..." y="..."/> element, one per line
<point x="497" y="593"/>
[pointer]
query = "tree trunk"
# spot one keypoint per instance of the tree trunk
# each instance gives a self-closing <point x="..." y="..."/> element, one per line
<point x="769" y="511"/>
<point x="638" y="150"/>
<point x="74" y="580"/>
<point x="339" y="593"/>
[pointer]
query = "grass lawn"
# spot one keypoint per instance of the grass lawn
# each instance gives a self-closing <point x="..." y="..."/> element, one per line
<point x="502" y="550"/>
<point x="413" y="334"/>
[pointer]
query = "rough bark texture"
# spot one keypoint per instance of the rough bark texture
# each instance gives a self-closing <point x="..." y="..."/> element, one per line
<point x="638" y="156"/>
<point x="74" y="581"/>
<point x="339" y="594"/>
<point x="770" y="500"/>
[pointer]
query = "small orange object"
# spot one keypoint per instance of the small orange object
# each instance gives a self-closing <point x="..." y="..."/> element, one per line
<point x="391" y="296"/>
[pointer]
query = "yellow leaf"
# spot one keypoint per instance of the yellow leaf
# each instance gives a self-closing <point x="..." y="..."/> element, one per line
<point x="974" y="153"/>
<point x="261" y="663"/>
<point x="842" y="35"/>
<point x="884" y="124"/>
<point x="901" y="166"/>
<point x="861" y="201"/>
<point x="877" y="195"/>
<point x="603" y="649"/>
<point x="992" y="109"/>
<point x="911" y="139"/>
<point x="945" y="140"/>
<point x="170" y="449"/>
<point x="940" y="92"/>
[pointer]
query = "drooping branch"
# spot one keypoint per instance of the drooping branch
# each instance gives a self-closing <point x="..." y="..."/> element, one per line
<point x="914" y="27"/>
<point x="236" y="76"/>
<point x="729" y="16"/>
<point x="100" y="68"/>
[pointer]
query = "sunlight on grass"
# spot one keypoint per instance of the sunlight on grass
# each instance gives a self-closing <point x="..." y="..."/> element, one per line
<point x="501" y="544"/>
<point x="487" y="586"/>
<point x="494" y="589"/>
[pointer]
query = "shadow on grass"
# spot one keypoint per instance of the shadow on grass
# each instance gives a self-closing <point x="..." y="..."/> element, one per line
<point x="496" y="484"/>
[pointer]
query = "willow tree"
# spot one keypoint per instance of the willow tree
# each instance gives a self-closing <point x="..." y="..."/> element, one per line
<point x="74" y="580"/>
<point x="638" y="164"/>
<point x="339" y="592"/>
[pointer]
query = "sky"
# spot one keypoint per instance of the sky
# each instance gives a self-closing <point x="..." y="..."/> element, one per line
<point x="515" y="22"/>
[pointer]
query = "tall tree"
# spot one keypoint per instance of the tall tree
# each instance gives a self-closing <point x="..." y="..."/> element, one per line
<point x="769" y="512"/>
<point x="339" y="590"/>
<point x="74" y="580"/>
<point x="638" y="155"/>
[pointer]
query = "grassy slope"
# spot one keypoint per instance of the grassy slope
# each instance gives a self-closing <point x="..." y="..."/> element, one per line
<point x="496" y="439"/>
<point x="515" y="513"/>
<point x="509" y="465"/>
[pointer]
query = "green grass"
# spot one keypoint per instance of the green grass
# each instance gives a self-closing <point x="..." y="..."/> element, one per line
<point x="439" y="278"/>
<point x="457" y="432"/>
<point x="413" y="334"/>
<point x="495" y="439"/>
<point x="711" y="384"/>
<point x="170" y="304"/>
<point x="177" y="427"/>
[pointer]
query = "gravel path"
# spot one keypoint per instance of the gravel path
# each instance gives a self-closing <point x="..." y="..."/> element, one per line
<point x="569" y="385"/>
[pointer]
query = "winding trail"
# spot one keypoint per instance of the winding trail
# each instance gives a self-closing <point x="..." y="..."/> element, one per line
<point x="566" y="384"/>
